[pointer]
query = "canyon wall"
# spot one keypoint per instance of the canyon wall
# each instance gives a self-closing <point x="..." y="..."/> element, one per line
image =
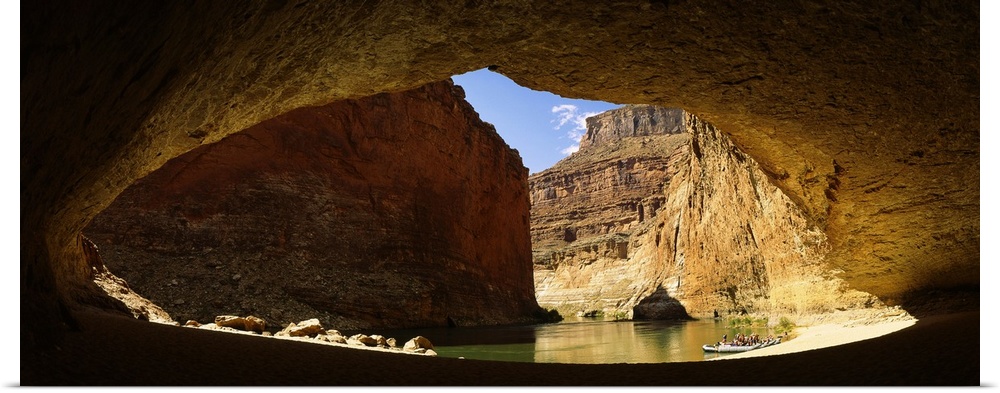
<point x="666" y="218"/>
<point x="396" y="210"/>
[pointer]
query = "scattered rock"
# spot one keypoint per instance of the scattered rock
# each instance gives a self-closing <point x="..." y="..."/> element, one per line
<point x="285" y="332"/>
<point x="362" y="339"/>
<point x="212" y="326"/>
<point x="334" y="338"/>
<point x="307" y="328"/>
<point x="249" y="323"/>
<point x="416" y="343"/>
<point x="230" y="321"/>
<point x="380" y="341"/>
<point x="256" y="324"/>
<point x="312" y="328"/>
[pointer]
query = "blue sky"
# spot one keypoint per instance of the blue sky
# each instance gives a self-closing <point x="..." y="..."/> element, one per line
<point x="543" y="127"/>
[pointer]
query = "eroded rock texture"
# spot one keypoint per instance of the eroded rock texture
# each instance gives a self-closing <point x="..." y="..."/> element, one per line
<point x="866" y="114"/>
<point x="396" y="210"/>
<point x="660" y="215"/>
<point x="588" y="208"/>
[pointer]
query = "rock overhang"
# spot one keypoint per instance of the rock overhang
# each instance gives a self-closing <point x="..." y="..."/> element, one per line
<point x="882" y="98"/>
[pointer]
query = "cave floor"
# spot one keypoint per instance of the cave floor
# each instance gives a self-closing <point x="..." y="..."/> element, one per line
<point x="939" y="350"/>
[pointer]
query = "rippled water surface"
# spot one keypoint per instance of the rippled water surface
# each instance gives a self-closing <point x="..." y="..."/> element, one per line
<point x="581" y="340"/>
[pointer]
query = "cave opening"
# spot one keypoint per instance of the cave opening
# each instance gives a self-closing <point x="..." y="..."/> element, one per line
<point x="328" y="200"/>
<point x="111" y="91"/>
<point x="201" y="235"/>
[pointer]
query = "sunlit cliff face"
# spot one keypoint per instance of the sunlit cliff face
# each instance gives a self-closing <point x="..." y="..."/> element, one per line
<point x="865" y="115"/>
<point x="660" y="216"/>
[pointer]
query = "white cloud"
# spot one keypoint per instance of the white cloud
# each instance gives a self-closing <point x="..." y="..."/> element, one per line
<point x="564" y="114"/>
<point x="570" y="114"/>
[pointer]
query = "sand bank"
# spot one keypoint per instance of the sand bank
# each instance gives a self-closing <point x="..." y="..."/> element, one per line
<point x="824" y="336"/>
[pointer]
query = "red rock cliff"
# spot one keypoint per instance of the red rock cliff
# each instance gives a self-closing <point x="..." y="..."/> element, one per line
<point x="672" y="221"/>
<point x="396" y="210"/>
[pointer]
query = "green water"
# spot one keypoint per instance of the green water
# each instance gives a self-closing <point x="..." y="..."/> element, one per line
<point x="582" y="340"/>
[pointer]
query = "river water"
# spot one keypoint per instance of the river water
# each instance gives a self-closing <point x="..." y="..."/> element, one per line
<point x="581" y="340"/>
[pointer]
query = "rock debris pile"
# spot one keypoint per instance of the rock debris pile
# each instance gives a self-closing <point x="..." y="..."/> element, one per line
<point x="311" y="330"/>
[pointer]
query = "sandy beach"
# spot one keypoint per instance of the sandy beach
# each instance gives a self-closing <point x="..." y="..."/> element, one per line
<point x="112" y="350"/>
<point x="824" y="336"/>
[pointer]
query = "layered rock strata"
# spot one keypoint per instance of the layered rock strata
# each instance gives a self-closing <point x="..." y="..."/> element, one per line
<point x="397" y="210"/>
<point x="662" y="216"/>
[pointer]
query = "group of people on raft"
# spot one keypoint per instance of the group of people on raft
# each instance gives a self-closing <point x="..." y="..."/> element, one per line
<point x="744" y="340"/>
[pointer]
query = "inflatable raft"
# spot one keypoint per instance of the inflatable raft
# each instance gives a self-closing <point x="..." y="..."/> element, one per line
<point x="728" y="348"/>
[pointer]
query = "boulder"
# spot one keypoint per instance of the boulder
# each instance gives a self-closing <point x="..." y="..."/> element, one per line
<point x="307" y="328"/>
<point x="255" y="324"/>
<point x="248" y="323"/>
<point x="417" y="343"/>
<point x="212" y="326"/>
<point x="380" y="341"/>
<point x="361" y="339"/>
<point x="334" y="338"/>
<point x="286" y="331"/>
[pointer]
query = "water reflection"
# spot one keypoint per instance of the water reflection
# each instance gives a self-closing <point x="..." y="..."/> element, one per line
<point x="582" y="341"/>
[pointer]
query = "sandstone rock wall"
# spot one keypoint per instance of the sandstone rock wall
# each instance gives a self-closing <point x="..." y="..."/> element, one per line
<point x="632" y="120"/>
<point x="586" y="208"/>
<point x="397" y="210"/>
<point x="609" y="189"/>
<point x="699" y="230"/>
